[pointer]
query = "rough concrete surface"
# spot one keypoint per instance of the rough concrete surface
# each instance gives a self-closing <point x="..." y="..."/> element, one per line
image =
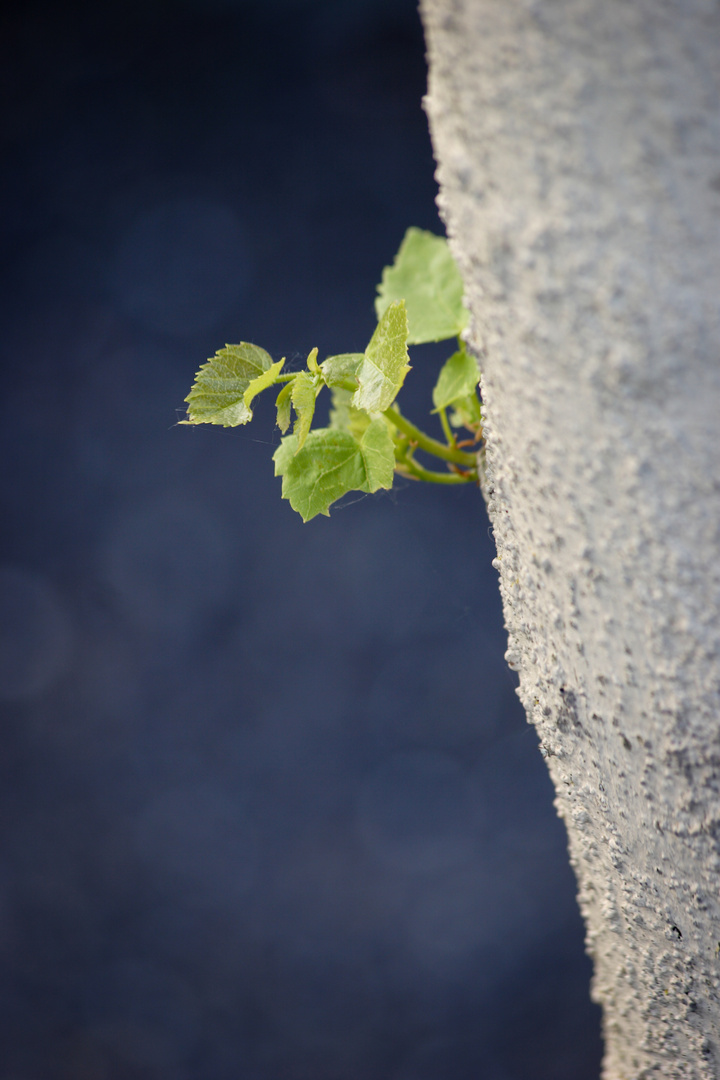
<point x="578" y="144"/>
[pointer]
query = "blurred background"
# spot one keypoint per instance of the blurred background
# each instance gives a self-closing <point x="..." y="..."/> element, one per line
<point x="269" y="807"/>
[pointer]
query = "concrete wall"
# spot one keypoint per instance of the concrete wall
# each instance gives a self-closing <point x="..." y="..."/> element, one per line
<point x="579" y="161"/>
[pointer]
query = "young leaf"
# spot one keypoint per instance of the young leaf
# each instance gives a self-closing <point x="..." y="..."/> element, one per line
<point x="426" y="276"/>
<point x="458" y="378"/>
<point x="344" y="417"/>
<point x="378" y="453"/>
<point x="341" y="368"/>
<point x="218" y="393"/>
<point x="303" y="399"/>
<point x="312" y="361"/>
<point x="286" y="452"/>
<point x="330" y="464"/>
<point x="283" y="407"/>
<point x="262" y="382"/>
<point x="385" y="364"/>
<point x="466" y="413"/>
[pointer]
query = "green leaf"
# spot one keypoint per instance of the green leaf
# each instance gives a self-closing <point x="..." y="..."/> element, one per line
<point x="466" y="413"/>
<point x="283" y="406"/>
<point x="341" y="368"/>
<point x="218" y="393"/>
<point x="340" y="409"/>
<point x="262" y="382"/>
<point x="312" y="360"/>
<point x="344" y="417"/>
<point x="378" y="453"/>
<point x="458" y="378"/>
<point x="426" y="276"/>
<point x="330" y="464"/>
<point x="385" y="363"/>
<point x="303" y="399"/>
<point x="286" y="452"/>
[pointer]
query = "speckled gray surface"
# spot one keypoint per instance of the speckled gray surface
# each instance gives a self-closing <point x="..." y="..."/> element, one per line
<point x="579" y="150"/>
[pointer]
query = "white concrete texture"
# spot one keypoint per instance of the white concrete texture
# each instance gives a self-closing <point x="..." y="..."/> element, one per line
<point x="578" y="144"/>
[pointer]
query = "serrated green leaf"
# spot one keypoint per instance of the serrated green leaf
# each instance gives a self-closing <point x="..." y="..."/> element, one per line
<point x="341" y="368"/>
<point x="378" y="453"/>
<point x="457" y="379"/>
<point x="283" y="407"/>
<point x="426" y="276"/>
<point x="262" y="382"/>
<point x="330" y="464"/>
<point x="303" y="399"/>
<point x="285" y="453"/>
<point x="385" y="364"/>
<point x="218" y="393"/>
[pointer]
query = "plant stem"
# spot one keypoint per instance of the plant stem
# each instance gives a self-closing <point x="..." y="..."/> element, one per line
<point x="408" y="467"/>
<point x="447" y="429"/>
<point x="429" y="445"/>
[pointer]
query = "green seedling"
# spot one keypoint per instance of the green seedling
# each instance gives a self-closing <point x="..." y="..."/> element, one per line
<point x="368" y="439"/>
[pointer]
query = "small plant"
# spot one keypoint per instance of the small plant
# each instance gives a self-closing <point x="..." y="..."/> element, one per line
<point x="367" y="439"/>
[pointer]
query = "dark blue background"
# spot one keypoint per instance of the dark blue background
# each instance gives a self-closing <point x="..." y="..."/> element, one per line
<point x="270" y="808"/>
